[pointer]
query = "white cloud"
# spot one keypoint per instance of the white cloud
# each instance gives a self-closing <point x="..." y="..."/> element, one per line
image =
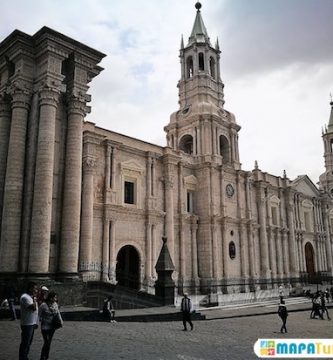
<point x="277" y="71"/>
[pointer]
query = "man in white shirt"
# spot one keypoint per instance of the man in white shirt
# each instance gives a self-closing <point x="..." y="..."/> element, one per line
<point x="29" y="319"/>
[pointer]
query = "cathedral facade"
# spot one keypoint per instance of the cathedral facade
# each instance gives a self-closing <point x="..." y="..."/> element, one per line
<point x="83" y="203"/>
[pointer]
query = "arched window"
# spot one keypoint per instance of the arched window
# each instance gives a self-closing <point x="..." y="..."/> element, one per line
<point x="201" y="62"/>
<point x="232" y="250"/>
<point x="225" y="149"/>
<point x="186" y="144"/>
<point x="189" y="67"/>
<point x="212" y="67"/>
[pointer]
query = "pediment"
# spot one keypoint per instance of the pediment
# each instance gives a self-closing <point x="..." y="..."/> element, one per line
<point x="191" y="179"/>
<point x="131" y="165"/>
<point x="304" y="185"/>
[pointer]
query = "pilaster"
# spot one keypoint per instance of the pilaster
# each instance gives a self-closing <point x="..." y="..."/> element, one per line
<point x="291" y="240"/>
<point x="264" y="253"/>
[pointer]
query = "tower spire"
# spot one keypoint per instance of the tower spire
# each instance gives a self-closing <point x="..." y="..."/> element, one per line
<point x="199" y="31"/>
<point x="330" y="122"/>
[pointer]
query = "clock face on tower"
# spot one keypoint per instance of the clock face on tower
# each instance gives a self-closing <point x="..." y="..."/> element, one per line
<point x="230" y="190"/>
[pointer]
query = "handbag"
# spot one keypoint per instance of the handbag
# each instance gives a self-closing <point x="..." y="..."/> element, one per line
<point x="56" y="322"/>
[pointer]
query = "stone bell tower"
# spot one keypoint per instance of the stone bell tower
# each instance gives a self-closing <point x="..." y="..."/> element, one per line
<point x="326" y="179"/>
<point x="202" y="127"/>
<point x="43" y="102"/>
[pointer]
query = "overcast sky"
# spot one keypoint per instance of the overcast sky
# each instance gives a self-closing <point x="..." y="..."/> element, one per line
<point x="276" y="66"/>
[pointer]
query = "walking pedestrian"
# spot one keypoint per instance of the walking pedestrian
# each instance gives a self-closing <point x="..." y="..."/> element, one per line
<point x="51" y="320"/>
<point x="327" y="295"/>
<point x="108" y="310"/>
<point x="11" y="297"/>
<point x="29" y="319"/>
<point x="186" y="309"/>
<point x="323" y="307"/>
<point x="281" y="292"/>
<point x="283" y="313"/>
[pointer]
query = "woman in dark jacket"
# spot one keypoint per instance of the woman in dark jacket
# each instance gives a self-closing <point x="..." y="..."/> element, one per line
<point x="48" y="311"/>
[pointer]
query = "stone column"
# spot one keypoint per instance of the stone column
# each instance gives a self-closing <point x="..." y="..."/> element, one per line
<point x="252" y="260"/>
<point x="87" y="213"/>
<point x="14" y="181"/>
<point x="194" y="228"/>
<point x="112" y="249"/>
<point x="148" y="251"/>
<point x="292" y="240"/>
<point x="264" y="254"/>
<point x="232" y="146"/>
<point x="5" y="113"/>
<point x="43" y="188"/>
<point x="113" y="168"/>
<point x="153" y="176"/>
<point x="285" y="253"/>
<point x="195" y="141"/>
<point x="301" y="253"/>
<point x="279" y="254"/>
<point x="153" y="250"/>
<point x="272" y="241"/>
<point x="225" y="251"/>
<point x="169" y="220"/>
<point x="202" y="138"/>
<point x="182" y="255"/>
<point x="244" y="250"/>
<point x="70" y="232"/>
<point x="148" y="179"/>
<point x="31" y="151"/>
<point x="222" y="192"/>
<point x="214" y="147"/>
<point x="108" y="182"/>
<point x="199" y="141"/>
<point x="328" y="246"/>
<point x="105" y="249"/>
<point x="215" y="252"/>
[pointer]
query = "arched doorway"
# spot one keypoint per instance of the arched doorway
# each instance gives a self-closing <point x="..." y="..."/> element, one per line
<point x="309" y="259"/>
<point x="127" y="270"/>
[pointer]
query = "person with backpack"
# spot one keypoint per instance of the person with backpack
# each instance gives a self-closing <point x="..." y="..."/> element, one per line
<point x="283" y="313"/>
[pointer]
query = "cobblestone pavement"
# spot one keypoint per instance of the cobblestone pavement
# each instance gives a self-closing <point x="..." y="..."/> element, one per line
<point x="230" y="339"/>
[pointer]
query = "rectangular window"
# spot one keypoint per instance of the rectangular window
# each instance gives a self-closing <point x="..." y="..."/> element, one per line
<point x="129" y="192"/>
<point x="189" y="202"/>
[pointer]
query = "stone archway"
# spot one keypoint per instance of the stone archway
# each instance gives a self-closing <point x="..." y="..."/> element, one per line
<point x="128" y="267"/>
<point x="309" y="259"/>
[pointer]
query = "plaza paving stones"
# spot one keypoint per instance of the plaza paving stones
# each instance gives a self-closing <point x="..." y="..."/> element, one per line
<point x="216" y="338"/>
